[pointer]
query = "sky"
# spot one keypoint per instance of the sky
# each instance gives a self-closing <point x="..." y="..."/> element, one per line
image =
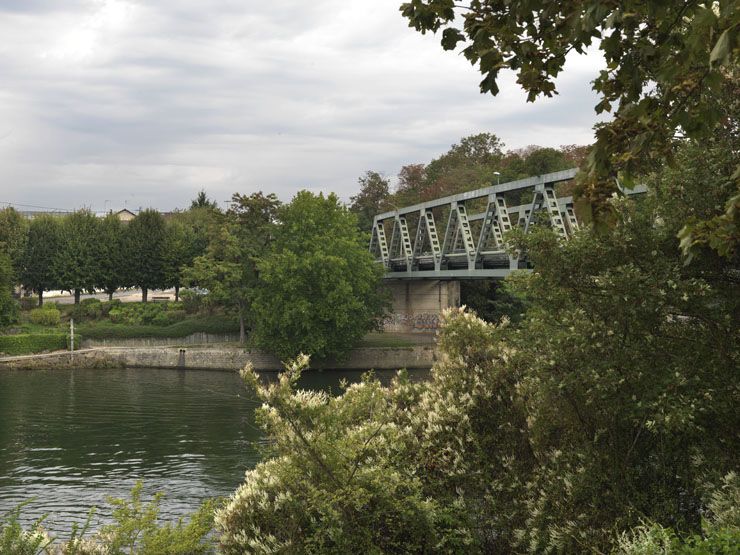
<point x="110" y="104"/>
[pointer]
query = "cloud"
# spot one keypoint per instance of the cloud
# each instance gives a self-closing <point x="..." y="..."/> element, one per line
<point x="145" y="103"/>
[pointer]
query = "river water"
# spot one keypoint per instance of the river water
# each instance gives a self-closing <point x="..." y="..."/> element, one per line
<point x="69" y="438"/>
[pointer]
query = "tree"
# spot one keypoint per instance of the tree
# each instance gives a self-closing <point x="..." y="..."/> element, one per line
<point x="667" y="64"/>
<point x="319" y="288"/>
<point x="43" y="245"/>
<point x="468" y="165"/>
<point x="8" y="305"/>
<point x="228" y="269"/>
<point x="146" y="241"/>
<point x="77" y="262"/>
<point x="112" y="260"/>
<point x="411" y="182"/>
<point x="482" y="151"/>
<point x="371" y="200"/>
<point x="13" y="237"/>
<point x="178" y="253"/>
<point x="202" y="201"/>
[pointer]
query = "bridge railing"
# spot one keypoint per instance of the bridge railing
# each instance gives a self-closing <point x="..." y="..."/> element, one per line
<point x="407" y="241"/>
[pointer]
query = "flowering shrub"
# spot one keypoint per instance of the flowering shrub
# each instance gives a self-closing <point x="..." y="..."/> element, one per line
<point x="334" y="480"/>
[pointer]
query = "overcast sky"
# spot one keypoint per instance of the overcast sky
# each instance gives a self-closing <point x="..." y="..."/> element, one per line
<point x="113" y="103"/>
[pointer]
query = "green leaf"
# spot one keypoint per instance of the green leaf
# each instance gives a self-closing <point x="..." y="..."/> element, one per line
<point x="721" y="51"/>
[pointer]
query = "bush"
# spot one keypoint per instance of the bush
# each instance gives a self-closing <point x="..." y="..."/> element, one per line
<point x="135" y="528"/>
<point x="161" y="319"/>
<point x="192" y="301"/>
<point x="720" y="531"/>
<point x="88" y="309"/>
<point x="14" y="539"/>
<point x="8" y="310"/>
<point x="331" y="485"/>
<point x="46" y="316"/>
<point x="28" y="303"/>
<point x="78" y="341"/>
<point x="26" y="343"/>
<point x="92" y="308"/>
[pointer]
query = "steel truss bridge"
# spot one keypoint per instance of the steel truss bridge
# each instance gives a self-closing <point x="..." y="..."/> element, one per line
<point x="472" y="244"/>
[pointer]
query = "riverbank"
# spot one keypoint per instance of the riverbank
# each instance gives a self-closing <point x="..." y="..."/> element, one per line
<point x="216" y="357"/>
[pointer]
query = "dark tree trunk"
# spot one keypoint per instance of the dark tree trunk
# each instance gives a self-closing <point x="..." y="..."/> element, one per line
<point x="143" y="294"/>
<point x="41" y="297"/>
<point x="177" y="293"/>
<point x="77" y="296"/>
<point x="242" y="333"/>
<point x="110" y="295"/>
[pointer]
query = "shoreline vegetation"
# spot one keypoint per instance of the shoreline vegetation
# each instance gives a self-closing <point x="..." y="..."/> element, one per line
<point x="100" y="325"/>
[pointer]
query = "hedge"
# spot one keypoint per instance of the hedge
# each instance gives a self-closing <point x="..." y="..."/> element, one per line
<point x="26" y="343"/>
<point x="208" y="324"/>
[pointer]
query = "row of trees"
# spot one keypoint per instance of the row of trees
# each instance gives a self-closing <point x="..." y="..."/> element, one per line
<point x="476" y="161"/>
<point x="80" y="252"/>
<point x="298" y="276"/>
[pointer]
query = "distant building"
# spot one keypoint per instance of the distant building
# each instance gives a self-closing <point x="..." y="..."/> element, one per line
<point x="125" y="215"/>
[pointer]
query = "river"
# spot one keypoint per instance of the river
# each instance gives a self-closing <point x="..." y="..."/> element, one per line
<point x="69" y="438"/>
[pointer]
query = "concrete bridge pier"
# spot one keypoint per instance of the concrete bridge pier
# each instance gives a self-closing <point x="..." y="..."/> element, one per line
<point x="418" y="304"/>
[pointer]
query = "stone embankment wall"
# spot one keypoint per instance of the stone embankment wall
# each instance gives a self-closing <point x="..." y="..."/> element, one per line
<point x="199" y="338"/>
<point x="378" y="358"/>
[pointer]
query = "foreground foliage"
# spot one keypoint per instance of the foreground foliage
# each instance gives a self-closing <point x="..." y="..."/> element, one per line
<point x="135" y="528"/>
<point x="607" y="417"/>
<point x="667" y="66"/>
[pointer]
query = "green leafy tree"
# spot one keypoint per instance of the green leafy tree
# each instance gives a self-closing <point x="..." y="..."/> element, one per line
<point x="411" y="182"/>
<point x="189" y="234"/>
<point x="228" y="270"/>
<point x="44" y="242"/>
<point x="77" y="263"/>
<point x="223" y="272"/>
<point x="178" y="253"/>
<point x="667" y="65"/>
<point x="202" y="201"/>
<point x="319" y="289"/>
<point x="112" y="261"/>
<point x="8" y="305"/>
<point x="146" y="243"/>
<point x="371" y="200"/>
<point x="13" y="237"/>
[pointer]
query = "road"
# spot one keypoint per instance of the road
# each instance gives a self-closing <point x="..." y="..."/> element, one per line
<point x="126" y="296"/>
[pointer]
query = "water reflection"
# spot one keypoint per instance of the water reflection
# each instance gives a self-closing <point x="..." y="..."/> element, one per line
<point x="69" y="438"/>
